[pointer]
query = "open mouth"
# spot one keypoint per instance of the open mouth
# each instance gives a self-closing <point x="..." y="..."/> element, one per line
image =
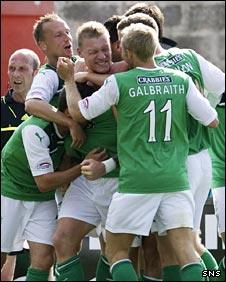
<point x="68" y="47"/>
<point x="17" y="82"/>
<point x="103" y="63"/>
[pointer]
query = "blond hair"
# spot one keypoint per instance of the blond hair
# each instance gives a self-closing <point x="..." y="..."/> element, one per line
<point x="141" y="40"/>
<point x="91" y="29"/>
<point x="38" y="26"/>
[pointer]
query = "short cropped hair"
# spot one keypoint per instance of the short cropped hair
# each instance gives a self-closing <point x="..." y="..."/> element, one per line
<point x="33" y="57"/>
<point x="91" y="29"/>
<point x="151" y="10"/>
<point x="38" y="26"/>
<point x="138" y="18"/>
<point x="140" y="39"/>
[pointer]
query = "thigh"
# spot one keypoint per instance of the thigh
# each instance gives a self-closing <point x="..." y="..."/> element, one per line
<point x="78" y="203"/>
<point x="176" y="210"/>
<point x="132" y="213"/>
<point x="42" y="224"/>
<point x="13" y="216"/>
<point x="72" y="230"/>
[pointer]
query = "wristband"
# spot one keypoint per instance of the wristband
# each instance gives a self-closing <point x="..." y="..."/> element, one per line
<point x="109" y="165"/>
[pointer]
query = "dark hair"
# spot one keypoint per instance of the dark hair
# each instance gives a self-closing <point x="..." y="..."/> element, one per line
<point x="151" y="10"/>
<point x="111" y="25"/>
<point x="62" y="101"/>
<point x="137" y="18"/>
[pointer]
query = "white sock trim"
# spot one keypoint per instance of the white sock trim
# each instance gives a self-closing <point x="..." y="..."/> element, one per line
<point x="189" y="264"/>
<point x="117" y="262"/>
<point x="105" y="261"/>
<point x="68" y="263"/>
<point x="152" y="278"/>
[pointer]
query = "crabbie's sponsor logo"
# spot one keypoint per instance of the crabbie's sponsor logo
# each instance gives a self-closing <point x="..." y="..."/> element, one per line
<point x="85" y="103"/>
<point x="44" y="165"/>
<point x="155" y="79"/>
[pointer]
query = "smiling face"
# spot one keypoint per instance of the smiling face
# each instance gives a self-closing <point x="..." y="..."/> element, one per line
<point x="57" y="40"/>
<point x="21" y="73"/>
<point x="96" y="52"/>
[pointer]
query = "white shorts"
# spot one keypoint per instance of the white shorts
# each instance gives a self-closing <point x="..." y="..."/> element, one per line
<point x="134" y="213"/>
<point x="88" y="200"/>
<point x="25" y="220"/>
<point x="199" y="169"/>
<point x="219" y="206"/>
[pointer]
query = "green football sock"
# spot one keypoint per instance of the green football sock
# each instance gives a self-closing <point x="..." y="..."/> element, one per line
<point x="209" y="260"/>
<point x="123" y="270"/>
<point x="206" y="278"/>
<point x="222" y="270"/>
<point x="103" y="269"/>
<point x="192" y="272"/>
<point x="171" y="273"/>
<point x="70" y="270"/>
<point x="34" y="274"/>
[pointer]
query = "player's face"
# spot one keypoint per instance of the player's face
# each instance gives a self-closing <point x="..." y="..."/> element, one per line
<point x="57" y="39"/>
<point x="97" y="53"/>
<point x="21" y="73"/>
<point x="116" y="52"/>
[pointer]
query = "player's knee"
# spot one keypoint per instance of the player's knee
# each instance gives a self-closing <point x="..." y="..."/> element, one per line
<point x="59" y="239"/>
<point x="43" y="261"/>
<point x="62" y="240"/>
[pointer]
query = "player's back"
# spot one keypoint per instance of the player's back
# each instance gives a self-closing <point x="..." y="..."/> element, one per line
<point x="186" y="61"/>
<point x="152" y="130"/>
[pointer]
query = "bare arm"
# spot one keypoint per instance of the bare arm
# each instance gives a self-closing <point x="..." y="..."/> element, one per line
<point x="50" y="181"/>
<point x="73" y="96"/>
<point x="46" y="111"/>
<point x="65" y="69"/>
<point x="93" y="169"/>
<point x="98" y="79"/>
<point x="214" y="123"/>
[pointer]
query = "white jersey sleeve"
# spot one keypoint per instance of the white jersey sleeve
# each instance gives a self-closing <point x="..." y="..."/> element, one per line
<point x="101" y="100"/>
<point x="44" y="85"/>
<point x="213" y="78"/>
<point x="36" y="143"/>
<point x="198" y="106"/>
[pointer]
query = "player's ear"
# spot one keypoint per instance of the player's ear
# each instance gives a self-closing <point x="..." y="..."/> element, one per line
<point x="79" y="52"/>
<point x="42" y="45"/>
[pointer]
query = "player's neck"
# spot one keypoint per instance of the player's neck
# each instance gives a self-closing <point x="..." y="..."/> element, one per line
<point x="52" y="63"/>
<point x="150" y="64"/>
<point x="19" y="97"/>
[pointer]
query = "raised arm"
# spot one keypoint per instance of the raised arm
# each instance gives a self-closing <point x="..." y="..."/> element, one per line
<point x="65" y="69"/>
